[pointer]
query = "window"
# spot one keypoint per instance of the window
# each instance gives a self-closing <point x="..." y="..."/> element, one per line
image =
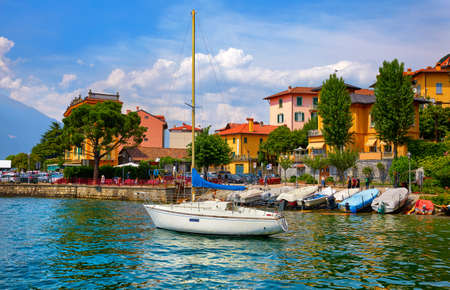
<point x="78" y="150"/>
<point x="67" y="154"/>
<point x="260" y="140"/>
<point x="315" y="101"/>
<point x="299" y="101"/>
<point x="299" y="117"/>
<point x="145" y="139"/>
<point x="418" y="90"/>
<point x="373" y="148"/>
<point x="372" y="123"/>
<point x="108" y="156"/>
<point x="280" y="118"/>
<point x="245" y="139"/>
<point x="387" y="148"/>
<point x="280" y="103"/>
<point x="439" y="88"/>
<point x="234" y="140"/>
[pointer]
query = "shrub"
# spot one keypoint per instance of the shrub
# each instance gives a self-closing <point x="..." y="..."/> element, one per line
<point x="421" y="149"/>
<point x="367" y="171"/>
<point x="292" y="178"/>
<point x="441" y="199"/>
<point x="443" y="175"/>
<point x="329" y="179"/>
<point x="310" y="180"/>
<point x="78" y="171"/>
<point x="107" y="171"/>
<point x="401" y="167"/>
<point x="303" y="177"/>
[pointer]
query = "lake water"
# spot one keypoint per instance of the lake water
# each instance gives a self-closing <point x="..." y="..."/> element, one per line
<point x="72" y="243"/>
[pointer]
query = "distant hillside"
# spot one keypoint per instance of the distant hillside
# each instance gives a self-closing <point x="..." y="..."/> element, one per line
<point x="21" y="127"/>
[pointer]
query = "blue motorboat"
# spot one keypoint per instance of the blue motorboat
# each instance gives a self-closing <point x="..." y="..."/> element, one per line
<point x="359" y="200"/>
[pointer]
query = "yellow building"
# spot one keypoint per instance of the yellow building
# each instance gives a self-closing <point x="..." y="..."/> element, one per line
<point x="83" y="155"/>
<point x="244" y="140"/>
<point x="364" y="134"/>
<point x="433" y="82"/>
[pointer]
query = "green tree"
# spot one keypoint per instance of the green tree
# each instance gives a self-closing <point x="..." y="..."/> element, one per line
<point x="334" y="109"/>
<point x="104" y="127"/>
<point x="210" y="150"/>
<point x="400" y="167"/>
<point x="342" y="160"/>
<point x="367" y="171"/>
<point x="50" y="143"/>
<point x="382" y="171"/>
<point x="393" y="111"/>
<point x="434" y="122"/>
<point x="279" y="141"/>
<point x="285" y="163"/>
<point x="316" y="163"/>
<point x="23" y="161"/>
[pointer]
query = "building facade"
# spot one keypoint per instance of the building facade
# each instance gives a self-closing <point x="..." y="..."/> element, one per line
<point x="433" y="82"/>
<point x="364" y="135"/>
<point x="84" y="155"/>
<point x="293" y="107"/>
<point x="181" y="136"/>
<point x="155" y="124"/>
<point x="244" y="140"/>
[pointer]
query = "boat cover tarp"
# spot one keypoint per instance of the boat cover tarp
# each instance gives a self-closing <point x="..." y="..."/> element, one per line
<point x="198" y="181"/>
<point x="392" y="199"/>
<point x="359" y="200"/>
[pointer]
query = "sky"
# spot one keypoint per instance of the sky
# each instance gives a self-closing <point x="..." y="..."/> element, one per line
<point x="52" y="51"/>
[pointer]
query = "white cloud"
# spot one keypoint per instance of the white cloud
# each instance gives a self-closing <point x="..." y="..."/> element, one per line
<point x="5" y="46"/>
<point x="11" y="136"/>
<point x="67" y="79"/>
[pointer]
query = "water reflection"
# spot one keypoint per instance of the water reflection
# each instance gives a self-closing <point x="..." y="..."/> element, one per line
<point x="90" y="243"/>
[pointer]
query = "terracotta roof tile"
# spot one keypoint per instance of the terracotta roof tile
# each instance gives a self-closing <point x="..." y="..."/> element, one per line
<point x="185" y="127"/>
<point x="296" y="90"/>
<point x="366" y="92"/>
<point x="258" y="129"/>
<point x="151" y="153"/>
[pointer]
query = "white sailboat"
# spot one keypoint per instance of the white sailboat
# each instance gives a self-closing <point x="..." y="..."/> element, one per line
<point x="213" y="217"/>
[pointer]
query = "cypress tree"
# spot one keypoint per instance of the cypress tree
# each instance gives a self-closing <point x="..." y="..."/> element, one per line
<point x="334" y="109"/>
<point x="393" y="111"/>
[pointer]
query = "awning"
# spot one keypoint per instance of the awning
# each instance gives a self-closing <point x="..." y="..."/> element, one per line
<point x="300" y="165"/>
<point x="128" y="164"/>
<point x="383" y="143"/>
<point x="317" y="145"/>
<point x="371" y="142"/>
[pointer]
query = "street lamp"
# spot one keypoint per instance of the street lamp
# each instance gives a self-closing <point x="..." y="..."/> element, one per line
<point x="409" y="171"/>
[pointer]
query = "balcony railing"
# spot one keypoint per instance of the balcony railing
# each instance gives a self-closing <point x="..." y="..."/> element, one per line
<point x="243" y="158"/>
<point x="314" y="133"/>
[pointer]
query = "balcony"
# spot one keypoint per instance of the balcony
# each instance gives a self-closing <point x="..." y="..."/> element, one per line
<point x="243" y="158"/>
<point x="314" y="133"/>
<point x="375" y="155"/>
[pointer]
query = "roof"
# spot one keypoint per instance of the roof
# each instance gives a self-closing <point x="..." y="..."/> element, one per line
<point x="296" y="90"/>
<point x="316" y="89"/>
<point x="159" y="117"/>
<point x="151" y="153"/>
<point x="228" y="126"/>
<point x="444" y="62"/>
<point x="370" y="99"/>
<point x="185" y="127"/>
<point x="92" y="98"/>
<point x="258" y="129"/>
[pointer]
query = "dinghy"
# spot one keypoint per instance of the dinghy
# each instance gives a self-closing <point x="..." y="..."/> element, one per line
<point x="346" y="193"/>
<point x="359" y="201"/>
<point x="390" y="200"/>
<point x="297" y="194"/>
<point x="250" y="196"/>
<point x="317" y="198"/>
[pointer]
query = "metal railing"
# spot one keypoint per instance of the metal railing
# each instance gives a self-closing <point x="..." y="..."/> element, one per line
<point x="313" y="133"/>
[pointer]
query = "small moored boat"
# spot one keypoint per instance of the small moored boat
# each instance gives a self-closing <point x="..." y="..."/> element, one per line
<point x="390" y="200"/>
<point x="359" y="201"/>
<point x="346" y="193"/>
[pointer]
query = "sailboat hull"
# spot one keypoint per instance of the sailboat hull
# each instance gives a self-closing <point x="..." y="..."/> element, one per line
<point x="189" y="221"/>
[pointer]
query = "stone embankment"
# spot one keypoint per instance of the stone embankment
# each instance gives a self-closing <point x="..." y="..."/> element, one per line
<point x="137" y="193"/>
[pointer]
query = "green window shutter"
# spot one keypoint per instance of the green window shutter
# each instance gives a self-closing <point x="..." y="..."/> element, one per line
<point x="299" y="101"/>
<point x="315" y="101"/>
<point x="296" y="117"/>
<point x="303" y="117"/>
<point x="280" y="103"/>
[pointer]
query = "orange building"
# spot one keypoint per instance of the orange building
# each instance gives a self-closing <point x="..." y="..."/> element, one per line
<point x="364" y="134"/>
<point x="155" y="124"/>
<point x="244" y="140"/>
<point x="83" y="155"/>
<point x="433" y="82"/>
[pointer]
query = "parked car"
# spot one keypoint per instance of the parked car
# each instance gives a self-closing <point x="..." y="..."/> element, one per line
<point x="9" y="177"/>
<point x="234" y="178"/>
<point x="249" y="178"/>
<point x="271" y="179"/>
<point x="43" y="177"/>
<point x="55" y="176"/>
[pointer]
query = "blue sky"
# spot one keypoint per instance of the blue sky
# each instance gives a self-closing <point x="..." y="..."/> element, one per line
<point x="51" y="51"/>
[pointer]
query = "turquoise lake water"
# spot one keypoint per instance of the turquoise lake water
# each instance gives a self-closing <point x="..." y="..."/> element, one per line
<point x="73" y="243"/>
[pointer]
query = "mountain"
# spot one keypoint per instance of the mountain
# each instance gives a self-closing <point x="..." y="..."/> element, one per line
<point x="21" y="127"/>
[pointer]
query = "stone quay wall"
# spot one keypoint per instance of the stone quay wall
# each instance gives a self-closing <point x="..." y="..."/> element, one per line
<point x="136" y="193"/>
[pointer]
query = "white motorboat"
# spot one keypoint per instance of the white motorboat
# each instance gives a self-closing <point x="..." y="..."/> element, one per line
<point x="216" y="218"/>
<point x="275" y="191"/>
<point x="345" y="193"/>
<point x="390" y="200"/>
<point x="297" y="193"/>
<point x="250" y="196"/>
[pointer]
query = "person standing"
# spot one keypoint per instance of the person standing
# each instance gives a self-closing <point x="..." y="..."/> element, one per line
<point x="322" y="181"/>
<point x="349" y="182"/>
<point x="367" y="182"/>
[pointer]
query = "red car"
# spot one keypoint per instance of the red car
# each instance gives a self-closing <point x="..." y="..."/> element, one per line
<point x="270" y="180"/>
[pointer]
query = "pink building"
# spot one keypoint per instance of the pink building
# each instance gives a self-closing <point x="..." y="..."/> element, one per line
<point x="293" y="107"/>
<point x="155" y="124"/>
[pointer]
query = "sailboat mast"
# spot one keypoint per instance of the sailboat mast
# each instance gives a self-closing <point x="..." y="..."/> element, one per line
<point x="193" y="100"/>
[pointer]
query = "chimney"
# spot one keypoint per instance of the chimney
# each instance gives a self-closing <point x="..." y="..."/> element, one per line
<point x="137" y="108"/>
<point x="409" y="69"/>
<point x="128" y="111"/>
<point x="250" y="124"/>
<point x="261" y="123"/>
